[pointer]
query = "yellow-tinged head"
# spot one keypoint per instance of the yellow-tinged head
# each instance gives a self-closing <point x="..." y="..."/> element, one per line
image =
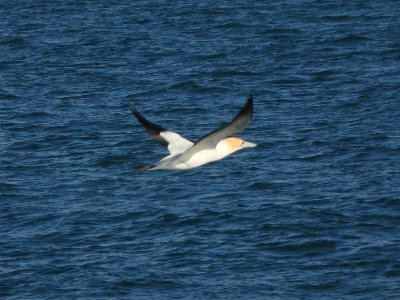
<point x="232" y="144"/>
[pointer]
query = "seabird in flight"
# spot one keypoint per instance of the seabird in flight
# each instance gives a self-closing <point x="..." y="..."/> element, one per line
<point x="214" y="146"/>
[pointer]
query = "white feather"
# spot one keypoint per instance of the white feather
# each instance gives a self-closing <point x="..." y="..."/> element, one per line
<point x="176" y="143"/>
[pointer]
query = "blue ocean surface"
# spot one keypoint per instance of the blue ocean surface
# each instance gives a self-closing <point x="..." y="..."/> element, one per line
<point x="313" y="212"/>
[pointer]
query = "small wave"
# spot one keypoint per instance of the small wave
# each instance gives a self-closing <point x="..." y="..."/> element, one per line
<point x="7" y="187"/>
<point x="149" y="282"/>
<point x="289" y="81"/>
<point x="262" y="185"/>
<point x="312" y="157"/>
<point x="323" y="75"/>
<point x="212" y="56"/>
<point x="111" y="160"/>
<point x="186" y="84"/>
<point x="195" y="86"/>
<point x="320" y="246"/>
<point x="169" y="218"/>
<point x="282" y="31"/>
<point x="323" y="286"/>
<point x="232" y="25"/>
<point x="14" y="41"/>
<point x="351" y="38"/>
<point x="38" y="115"/>
<point x="337" y="18"/>
<point x="387" y="202"/>
<point x="129" y="216"/>
<point x="8" y="96"/>
<point x="231" y="73"/>
<point x="349" y="104"/>
<point x="393" y="272"/>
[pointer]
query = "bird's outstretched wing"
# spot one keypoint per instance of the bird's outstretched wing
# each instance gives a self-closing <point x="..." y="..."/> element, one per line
<point x="238" y="123"/>
<point x="173" y="141"/>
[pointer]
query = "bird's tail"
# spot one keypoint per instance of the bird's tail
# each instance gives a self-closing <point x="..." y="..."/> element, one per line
<point x="147" y="168"/>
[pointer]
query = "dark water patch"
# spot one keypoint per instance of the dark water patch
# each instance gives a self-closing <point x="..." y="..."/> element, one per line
<point x="320" y="143"/>
<point x="148" y="283"/>
<point x="351" y="39"/>
<point x="289" y="81"/>
<point x="382" y="219"/>
<point x="14" y="42"/>
<point x="233" y="25"/>
<point x="324" y="75"/>
<point x="323" y="286"/>
<point x="191" y="222"/>
<point x="7" y="187"/>
<point x="313" y="157"/>
<point x="388" y="202"/>
<point x="282" y="31"/>
<point x="231" y="73"/>
<point x="37" y="115"/>
<point x="259" y="185"/>
<point x="319" y="247"/>
<point x="212" y="56"/>
<point x="7" y="96"/>
<point x="186" y="84"/>
<point x="198" y="88"/>
<point x="329" y="216"/>
<point x="39" y="219"/>
<point x="169" y="218"/>
<point x="111" y="160"/>
<point x="125" y="143"/>
<point x="352" y="104"/>
<point x="281" y="245"/>
<point x="337" y="18"/>
<point x="393" y="272"/>
<point x="129" y="216"/>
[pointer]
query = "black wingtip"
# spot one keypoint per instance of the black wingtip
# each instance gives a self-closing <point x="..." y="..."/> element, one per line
<point x="139" y="117"/>
<point x="133" y="108"/>
<point x="146" y="123"/>
<point x="245" y="114"/>
<point x="249" y="105"/>
<point x="250" y="99"/>
<point x="152" y="129"/>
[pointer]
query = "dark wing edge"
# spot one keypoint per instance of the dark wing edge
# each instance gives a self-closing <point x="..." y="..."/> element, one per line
<point x="238" y="123"/>
<point x="244" y="116"/>
<point x="152" y="129"/>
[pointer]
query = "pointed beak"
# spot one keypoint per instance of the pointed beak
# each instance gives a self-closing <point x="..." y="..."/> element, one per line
<point x="248" y="145"/>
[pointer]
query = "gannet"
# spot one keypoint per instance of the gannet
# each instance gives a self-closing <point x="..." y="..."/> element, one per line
<point x="214" y="146"/>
